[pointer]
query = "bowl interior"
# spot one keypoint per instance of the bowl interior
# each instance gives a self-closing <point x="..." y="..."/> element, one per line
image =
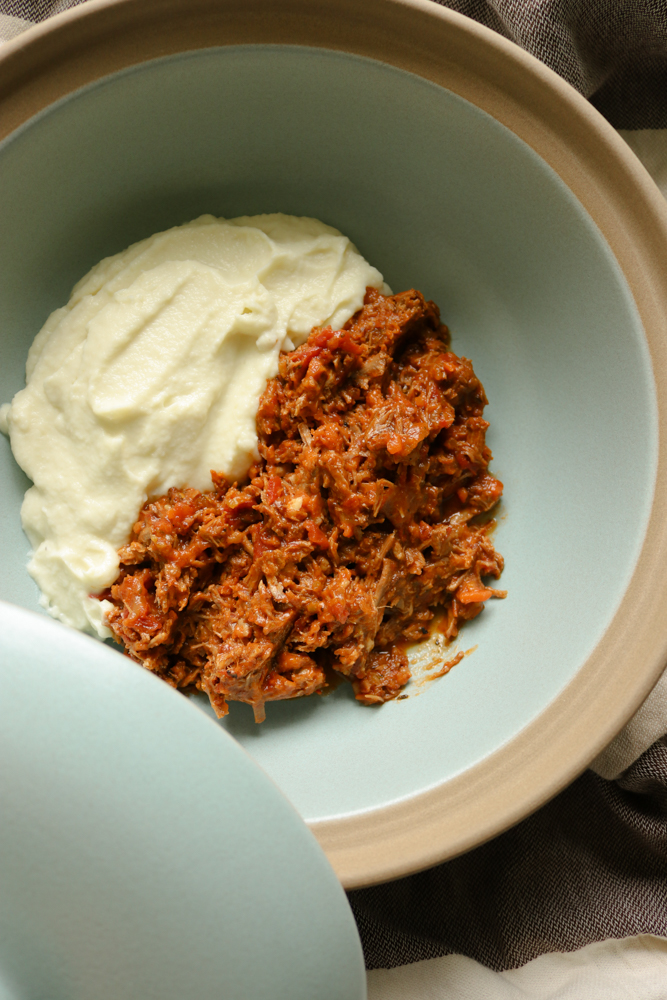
<point x="439" y="196"/>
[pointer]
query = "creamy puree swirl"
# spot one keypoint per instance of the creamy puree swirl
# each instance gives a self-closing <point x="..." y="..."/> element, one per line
<point x="150" y="377"/>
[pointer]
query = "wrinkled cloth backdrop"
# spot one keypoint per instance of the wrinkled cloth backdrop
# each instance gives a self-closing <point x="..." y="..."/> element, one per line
<point x="591" y="866"/>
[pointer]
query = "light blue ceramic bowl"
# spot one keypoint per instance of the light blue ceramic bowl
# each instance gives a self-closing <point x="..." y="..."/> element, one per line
<point x="142" y="853"/>
<point x="488" y="196"/>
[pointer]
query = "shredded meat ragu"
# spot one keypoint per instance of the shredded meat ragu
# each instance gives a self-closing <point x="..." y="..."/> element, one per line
<point x="354" y="526"/>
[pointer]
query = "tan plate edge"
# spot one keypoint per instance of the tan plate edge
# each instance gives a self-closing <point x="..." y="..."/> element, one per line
<point x="87" y="43"/>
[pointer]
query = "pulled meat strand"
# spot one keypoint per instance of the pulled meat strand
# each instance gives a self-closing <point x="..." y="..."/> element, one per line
<point x="359" y="520"/>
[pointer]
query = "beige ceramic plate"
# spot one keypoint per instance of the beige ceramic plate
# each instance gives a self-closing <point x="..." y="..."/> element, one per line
<point x="552" y="681"/>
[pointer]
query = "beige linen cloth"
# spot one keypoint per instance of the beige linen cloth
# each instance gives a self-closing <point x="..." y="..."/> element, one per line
<point x="632" y="969"/>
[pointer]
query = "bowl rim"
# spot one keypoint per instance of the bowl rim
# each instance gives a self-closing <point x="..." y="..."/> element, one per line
<point x="86" y="43"/>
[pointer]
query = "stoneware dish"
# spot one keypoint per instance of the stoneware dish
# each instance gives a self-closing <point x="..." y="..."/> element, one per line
<point x="463" y="167"/>
<point x="142" y="852"/>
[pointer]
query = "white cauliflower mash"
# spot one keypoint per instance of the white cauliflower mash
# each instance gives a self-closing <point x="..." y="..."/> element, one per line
<point x="150" y="377"/>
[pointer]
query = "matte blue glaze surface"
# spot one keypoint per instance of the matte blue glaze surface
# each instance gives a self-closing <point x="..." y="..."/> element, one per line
<point x="143" y="855"/>
<point x="439" y="196"/>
